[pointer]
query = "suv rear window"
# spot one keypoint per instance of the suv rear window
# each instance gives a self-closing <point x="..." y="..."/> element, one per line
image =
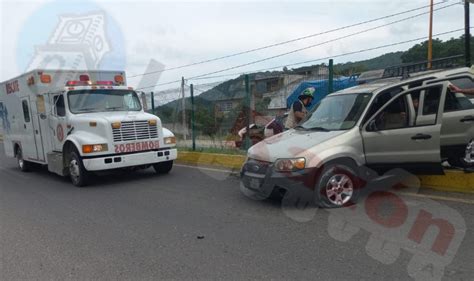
<point x="458" y="101"/>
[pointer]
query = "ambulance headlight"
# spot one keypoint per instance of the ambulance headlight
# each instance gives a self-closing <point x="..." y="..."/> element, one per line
<point x="170" y="140"/>
<point x="91" y="148"/>
<point x="292" y="164"/>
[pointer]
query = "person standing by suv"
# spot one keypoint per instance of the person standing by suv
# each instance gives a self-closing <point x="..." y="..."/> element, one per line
<point x="456" y="89"/>
<point x="298" y="109"/>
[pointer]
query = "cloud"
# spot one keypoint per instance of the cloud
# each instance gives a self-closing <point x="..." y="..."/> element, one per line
<point x="179" y="33"/>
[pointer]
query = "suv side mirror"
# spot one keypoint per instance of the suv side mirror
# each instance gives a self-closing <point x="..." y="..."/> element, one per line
<point x="372" y="126"/>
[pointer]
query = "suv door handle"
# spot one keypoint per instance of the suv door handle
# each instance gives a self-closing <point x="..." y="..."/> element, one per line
<point x="421" y="137"/>
<point x="467" y="119"/>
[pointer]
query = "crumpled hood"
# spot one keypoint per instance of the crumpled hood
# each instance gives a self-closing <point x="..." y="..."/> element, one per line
<point x="290" y="144"/>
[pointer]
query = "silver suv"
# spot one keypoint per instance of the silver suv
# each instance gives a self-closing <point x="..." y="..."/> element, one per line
<point x="412" y="124"/>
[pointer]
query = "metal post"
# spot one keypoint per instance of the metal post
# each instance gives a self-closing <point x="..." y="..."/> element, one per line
<point x="248" y="112"/>
<point x="430" y="38"/>
<point x="183" y="106"/>
<point x="331" y="76"/>
<point x="467" y="43"/>
<point x="192" y="118"/>
<point x="152" y="103"/>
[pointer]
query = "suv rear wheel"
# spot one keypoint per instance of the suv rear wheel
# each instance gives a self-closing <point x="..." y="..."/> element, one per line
<point x="465" y="161"/>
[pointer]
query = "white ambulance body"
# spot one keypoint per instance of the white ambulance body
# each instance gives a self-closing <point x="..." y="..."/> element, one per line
<point x="77" y="122"/>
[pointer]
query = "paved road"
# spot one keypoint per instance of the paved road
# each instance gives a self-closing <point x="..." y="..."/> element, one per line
<point x="139" y="226"/>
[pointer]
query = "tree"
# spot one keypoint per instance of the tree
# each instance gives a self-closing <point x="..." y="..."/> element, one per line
<point x="441" y="49"/>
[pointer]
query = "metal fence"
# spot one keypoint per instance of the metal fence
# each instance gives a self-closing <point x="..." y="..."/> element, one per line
<point x="210" y="115"/>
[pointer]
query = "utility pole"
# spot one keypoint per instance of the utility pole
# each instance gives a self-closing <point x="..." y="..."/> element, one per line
<point x="248" y="112"/>
<point x="467" y="43"/>
<point x="430" y="39"/>
<point x="331" y="76"/>
<point x="192" y="118"/>
<point x="183" y="106"/>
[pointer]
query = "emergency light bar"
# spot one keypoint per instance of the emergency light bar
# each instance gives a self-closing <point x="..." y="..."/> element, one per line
<point x="84" y="77"/>
<point x="78" y="83"/>
<point x="109" y="83"/>
<point x="89" y="83"/>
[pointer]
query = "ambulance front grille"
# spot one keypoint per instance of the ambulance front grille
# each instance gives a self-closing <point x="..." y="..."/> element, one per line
<point x="135" y="130"/>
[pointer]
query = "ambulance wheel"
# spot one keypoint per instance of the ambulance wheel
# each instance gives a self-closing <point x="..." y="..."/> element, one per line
<point x="337" y="187"/>
<point x="22" y="164"/>
<point x="163" y="167"/>
<point x="78" y="174"/>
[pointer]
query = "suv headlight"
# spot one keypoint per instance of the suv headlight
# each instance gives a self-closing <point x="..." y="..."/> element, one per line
<point x="170" y="140"/>
<point x="292" y="164"/>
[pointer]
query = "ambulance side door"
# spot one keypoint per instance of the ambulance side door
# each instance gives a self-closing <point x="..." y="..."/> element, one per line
<point x="26" y="131"/>
<point x="57" y="121"/>
<point x="37" y="108"/>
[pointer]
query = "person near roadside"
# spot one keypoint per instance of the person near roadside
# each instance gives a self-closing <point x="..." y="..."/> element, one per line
<point x="275" y="127"/>
<point x="298" y="110"/>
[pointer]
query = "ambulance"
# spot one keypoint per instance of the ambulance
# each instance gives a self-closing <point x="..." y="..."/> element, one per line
<point x="80" y="122"/>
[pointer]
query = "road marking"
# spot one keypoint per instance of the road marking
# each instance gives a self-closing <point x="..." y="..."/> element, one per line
<point x="438" y="197"/>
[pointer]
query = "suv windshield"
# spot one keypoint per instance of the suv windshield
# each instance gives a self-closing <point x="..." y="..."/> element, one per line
<point x="82" y="101"/>
<point x="338" y="112"/>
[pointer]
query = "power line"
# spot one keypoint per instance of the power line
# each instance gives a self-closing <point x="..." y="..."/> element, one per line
<point x="333" y="56"/>
<point x="286" y="42"/>
<point x="325" y="58"/>
<point x="347" y="54"/>
<point x="301" y="49"/>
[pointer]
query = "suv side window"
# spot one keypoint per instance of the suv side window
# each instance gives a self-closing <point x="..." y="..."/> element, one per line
<point x="458" y="101"/>
<point x="395" y="116"/>
<point x="431" y="102"/>
<point x="381" y="100"/>
<point x="403" y="112"/>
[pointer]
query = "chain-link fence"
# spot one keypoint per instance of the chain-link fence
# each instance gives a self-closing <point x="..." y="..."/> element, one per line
<point x="215" y="115"/>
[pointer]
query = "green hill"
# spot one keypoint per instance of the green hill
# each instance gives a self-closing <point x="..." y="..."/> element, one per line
<point x="234" y="88"/>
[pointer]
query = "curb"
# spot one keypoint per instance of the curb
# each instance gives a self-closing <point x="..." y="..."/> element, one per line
<point x="452" y="181"/>
<point x="233" y="162"/>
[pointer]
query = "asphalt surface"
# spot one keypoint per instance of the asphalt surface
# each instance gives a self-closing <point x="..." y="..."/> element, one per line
<point x="196" y="224"/>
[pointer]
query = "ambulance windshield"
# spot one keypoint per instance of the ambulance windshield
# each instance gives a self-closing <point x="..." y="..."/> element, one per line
<point x="84" y="101"/>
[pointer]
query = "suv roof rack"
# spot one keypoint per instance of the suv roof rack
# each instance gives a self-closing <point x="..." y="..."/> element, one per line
<point x="404" y="70"/>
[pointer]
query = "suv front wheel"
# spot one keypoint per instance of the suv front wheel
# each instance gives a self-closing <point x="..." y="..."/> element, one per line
<point x="338" y="187"/>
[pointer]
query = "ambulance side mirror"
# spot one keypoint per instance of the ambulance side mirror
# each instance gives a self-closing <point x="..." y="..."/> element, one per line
<point x="144" y="101"/>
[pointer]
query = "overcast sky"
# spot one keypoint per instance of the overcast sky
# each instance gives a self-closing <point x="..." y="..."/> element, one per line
<point x="178" y="33"/>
